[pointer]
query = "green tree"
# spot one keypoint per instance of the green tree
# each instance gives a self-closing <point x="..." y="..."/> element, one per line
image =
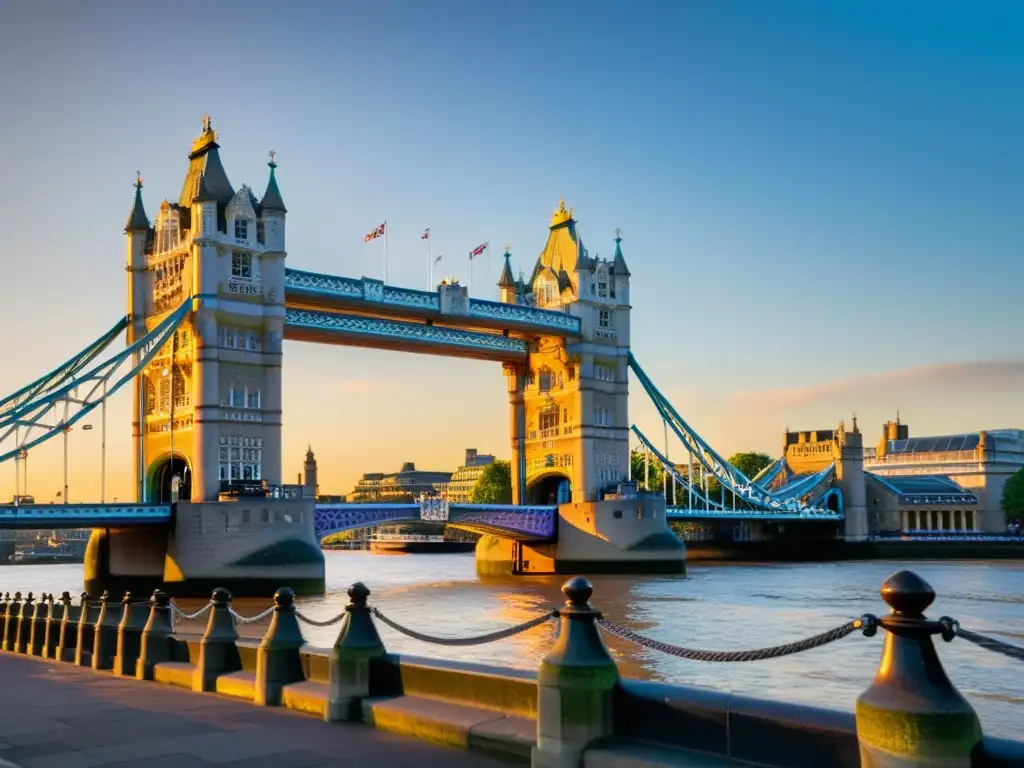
<point x="636" y="461"/>
<point x="1013" y="496"/>
<point x="750" y="463"/>
<point x="494" y="486"/>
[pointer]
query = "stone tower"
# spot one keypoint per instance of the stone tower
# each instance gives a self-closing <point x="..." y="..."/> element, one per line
<point x="309" y="475"/>
<point x="569" y="404"/>
<point x="208" y="407"/>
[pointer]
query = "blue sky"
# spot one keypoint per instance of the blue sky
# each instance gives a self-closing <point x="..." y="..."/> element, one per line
<point x="821" y="202"/>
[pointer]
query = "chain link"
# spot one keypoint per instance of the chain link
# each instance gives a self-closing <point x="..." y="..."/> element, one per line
<point x="251" y="619"/>
<point x="989" y="643"/>
<point x="190" y="616"/>
<point x="490" y="637"/>
<point x="315" y="623"/>
<point x="867" y="623"/>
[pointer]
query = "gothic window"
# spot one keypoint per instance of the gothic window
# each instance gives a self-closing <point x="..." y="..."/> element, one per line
<point x="241" y="229"/>
<point x="604" y="318"/>
<point x="544" y="380"/>
<point x="603" y="417"/>
<point x="549" y="421"/>
<point x="240" y="458"/>
<point x="241" y="264"/>
<point x="602" y="290"/>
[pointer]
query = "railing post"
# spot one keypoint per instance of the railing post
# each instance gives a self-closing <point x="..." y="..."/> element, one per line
<point x="87" y="613"/>
<point x="5" y="606"/>
<point x="574" y="685"/>
<point x="129" y="637"/>
<point x="65" y="648"/>
<point x="104" y="644"/>
<point x="11" y="622"/>
<point x="28" y="612"/>
<point x="155" y="646"/>
<point x="277" y="660"/>
<point x="49" y="635"/>
<point x="912" y="715"/>
<point x="36" y="629"/>
<point x="218" y="649"/>
<point x="357" y="644"/>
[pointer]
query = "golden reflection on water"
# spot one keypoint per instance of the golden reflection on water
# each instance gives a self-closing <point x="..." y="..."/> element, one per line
<point x="722" y="607"/>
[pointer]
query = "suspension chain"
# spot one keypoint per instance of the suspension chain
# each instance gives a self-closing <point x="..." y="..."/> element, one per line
<point x="490" y="637"/>
<point x="867" y="623"/>
<point x="989" y="643"/>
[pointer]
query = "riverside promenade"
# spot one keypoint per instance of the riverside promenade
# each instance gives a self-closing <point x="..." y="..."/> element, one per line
<point x="62" y="716"/>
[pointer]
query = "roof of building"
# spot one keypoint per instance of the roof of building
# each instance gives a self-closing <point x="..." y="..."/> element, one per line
<point x="925" y="489"/>
<point x="204" y="161"/>
<point x="995" y="440"/>
<point x="619" y="264"/>
<point x="507" y="280"/>
<point x="272" y="200"/>
<point x="137" y="219"/>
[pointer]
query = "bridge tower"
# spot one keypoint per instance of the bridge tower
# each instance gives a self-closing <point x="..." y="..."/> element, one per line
<point x="208" y="408"/>
<point x="570" y="426"/>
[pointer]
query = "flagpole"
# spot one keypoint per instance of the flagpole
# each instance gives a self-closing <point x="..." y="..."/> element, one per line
<point x="430" y="266"/>
<point x="385" y="251"/>
<point x="470" y="293"/>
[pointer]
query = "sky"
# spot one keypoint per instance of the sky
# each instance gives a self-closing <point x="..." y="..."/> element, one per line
<point x="821" y="203"/>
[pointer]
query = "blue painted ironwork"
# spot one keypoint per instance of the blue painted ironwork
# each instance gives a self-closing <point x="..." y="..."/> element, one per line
<point x="396" y="330"/>
<point x="522" y="314"/>
<point x="28" y="418"/>
<point x="683" y="513"/>
<point x="47" y="516"/>
<point x="526" y="523"/>
<point x="767" y="476"/>
<point x="326" y="285"/>
<point x="335" y="518"/>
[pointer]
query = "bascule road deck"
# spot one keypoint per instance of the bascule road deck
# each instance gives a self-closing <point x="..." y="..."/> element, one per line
<point x="62" y="716"/>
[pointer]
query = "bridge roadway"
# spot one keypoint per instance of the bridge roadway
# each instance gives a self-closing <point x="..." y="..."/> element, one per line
<point x="63" y="716"/>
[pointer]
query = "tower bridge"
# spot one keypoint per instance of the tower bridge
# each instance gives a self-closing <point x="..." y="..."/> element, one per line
<point x="210" y="302"/>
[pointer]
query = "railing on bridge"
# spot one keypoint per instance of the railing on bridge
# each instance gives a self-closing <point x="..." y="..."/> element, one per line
<point x="50" y="516"/>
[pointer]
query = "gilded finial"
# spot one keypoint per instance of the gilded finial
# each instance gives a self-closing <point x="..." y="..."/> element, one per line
<point x="561" y="215"/>
<point x="272" y="164"/>
<point x="138" y="180"/>
<point x="207" y="123"/>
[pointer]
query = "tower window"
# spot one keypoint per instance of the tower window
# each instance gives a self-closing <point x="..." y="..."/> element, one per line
<point x="544" y="380"/>
<point x="241" y="229"/>
<point x="604" y="318"/>
<point x="602" y="290"/>
<point x="241" y="264"/>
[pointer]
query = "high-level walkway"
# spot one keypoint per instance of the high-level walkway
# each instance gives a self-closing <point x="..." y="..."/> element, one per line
<point x="61" y="716"/>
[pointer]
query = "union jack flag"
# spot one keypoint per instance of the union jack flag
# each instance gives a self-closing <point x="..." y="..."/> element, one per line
<point x="373" y="234"/>
<point x="479" y="249"/>
<point x="426" y="234"/>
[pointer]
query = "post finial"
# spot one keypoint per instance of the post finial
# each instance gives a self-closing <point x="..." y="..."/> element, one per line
<point x="618" y="234"/>
<point x="273" y="154"/>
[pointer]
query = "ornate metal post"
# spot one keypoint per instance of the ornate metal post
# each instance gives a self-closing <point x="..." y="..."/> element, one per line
<point x="88" y="612"/>
<point x="357" y="644"/>
<point x="912" y="715"/>
<point x="37" y="627"/>
<point x="129" y="637"/>
<point x="156" y="636"/>
<point x="105" y="638"/>
<point x="49" y="630"/>
<point x="64" y="650"/>
<point x="218" y="649"/>
<point x="11" y="622"/>
<point x="574" y="685"/>
<point x="277" y="660"/>
<point x="25" y="618"/>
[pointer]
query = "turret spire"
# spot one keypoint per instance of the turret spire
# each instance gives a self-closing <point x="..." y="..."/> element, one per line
<point x="272" y="200"/>
<point x="137" y="219"/>
<point x="507" y="280"/>
<point x="619" y="264"/>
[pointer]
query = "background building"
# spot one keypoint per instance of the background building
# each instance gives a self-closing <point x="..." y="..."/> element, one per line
<point x="459" y="488"/>
<point x="405" y="485"/>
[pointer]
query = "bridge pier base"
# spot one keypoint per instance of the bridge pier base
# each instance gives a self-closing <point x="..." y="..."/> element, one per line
<point x="250" y="546"/>
<point x="626" y="535"/>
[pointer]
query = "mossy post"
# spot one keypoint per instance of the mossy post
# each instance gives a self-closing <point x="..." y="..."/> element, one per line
<point x="64" y="649"/>
<point x="218" y="647"/>
<point x="574" y="685"/>
<point x="11" y="622"/>
<point x="155" y="646"/>
<point x="357" y="644"/>
<point x="37" y="628"/>
<point x="129" y="636"/>
<point x="24" y="630"/>
<point x="277" y="660"/>
<point x="88" y="612"/>
<point x="912" y="716"/>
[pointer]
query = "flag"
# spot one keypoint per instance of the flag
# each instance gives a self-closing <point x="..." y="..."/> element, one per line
<point x="373" y="234"/>
<point x="479" y="249"/>
<point x="426" y="234"/>
<point x="439" y="257"/>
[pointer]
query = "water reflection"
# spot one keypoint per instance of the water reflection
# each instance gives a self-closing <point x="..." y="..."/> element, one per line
<point x="726" y="607"/>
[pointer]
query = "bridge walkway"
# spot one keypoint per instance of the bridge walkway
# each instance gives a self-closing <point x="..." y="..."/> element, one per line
<point x="62" y="716"/>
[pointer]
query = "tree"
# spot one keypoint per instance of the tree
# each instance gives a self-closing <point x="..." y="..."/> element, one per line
<point x="750" y="463"/>
<point x="637" y="463"/>
<point x="1013" y="496"/>
<point x="494" y="486"/>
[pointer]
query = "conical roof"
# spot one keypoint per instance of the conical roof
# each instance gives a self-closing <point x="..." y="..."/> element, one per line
<point x="272" y="200"/>
<point x="137" y="219"/>
<point x="507" y="280"/>
<point x="619" y="264"/>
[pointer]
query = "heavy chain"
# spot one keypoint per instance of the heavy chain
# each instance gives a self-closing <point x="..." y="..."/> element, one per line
<point x="490" y="637"/>
<point x="989" y="643"/>
<point x="251" y="619"/>
<point x="315" y="623"/>
<point x="867" y="623"/>
<point x="190" y="616"/>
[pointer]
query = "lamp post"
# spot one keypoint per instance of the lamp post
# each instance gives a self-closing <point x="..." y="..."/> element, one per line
<point x="86" y="428"/>
<point x="64" y="496"/>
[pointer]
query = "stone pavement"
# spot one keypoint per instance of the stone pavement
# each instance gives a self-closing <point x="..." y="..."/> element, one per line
<point x="61" y="716"/>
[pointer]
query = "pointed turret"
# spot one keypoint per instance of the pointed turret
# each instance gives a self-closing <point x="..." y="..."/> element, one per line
<point x="507" y="283"/>
<point x="619" y="264"/>
<point x="203" y="194"/>
<point x="204" y="160"/>
<point x="137" y="219"/>
<point x="272" y="200"/>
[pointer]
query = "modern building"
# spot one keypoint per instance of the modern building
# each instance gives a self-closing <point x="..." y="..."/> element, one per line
<point x="943" y="482"/>
<point x="459" y="488"/>
<point x="407" y="484"/>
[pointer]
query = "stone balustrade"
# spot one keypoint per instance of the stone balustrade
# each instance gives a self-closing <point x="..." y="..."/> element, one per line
<point x="575" y="710"/>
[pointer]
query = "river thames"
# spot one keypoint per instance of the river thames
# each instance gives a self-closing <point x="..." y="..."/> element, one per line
<point x="714" y="607"/>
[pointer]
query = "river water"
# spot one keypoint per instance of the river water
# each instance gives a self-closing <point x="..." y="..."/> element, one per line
<point x="714" y="607"/>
